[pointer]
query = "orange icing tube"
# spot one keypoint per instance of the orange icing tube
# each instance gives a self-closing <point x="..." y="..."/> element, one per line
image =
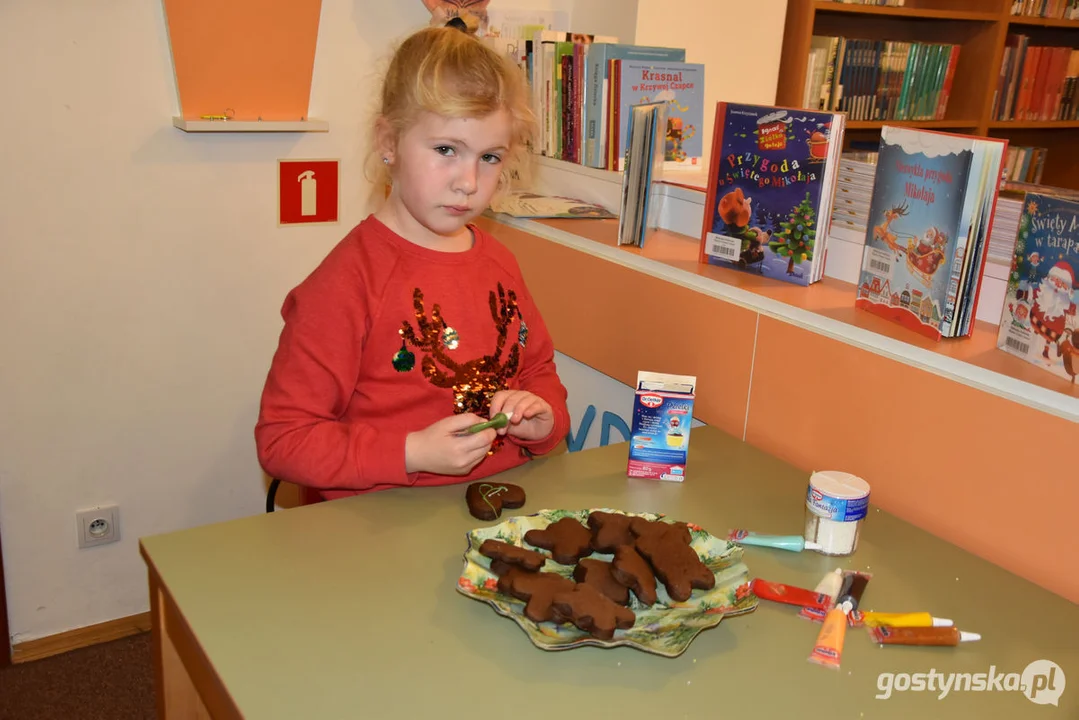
<point x="829" y="648"/>
<point x="921" y="635"/>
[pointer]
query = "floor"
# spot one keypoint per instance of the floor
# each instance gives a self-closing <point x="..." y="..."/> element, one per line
<point x="110" y="681"/>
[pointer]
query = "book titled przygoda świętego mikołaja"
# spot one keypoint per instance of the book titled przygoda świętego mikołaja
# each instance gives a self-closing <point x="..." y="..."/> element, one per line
<point x="771" y="187"/>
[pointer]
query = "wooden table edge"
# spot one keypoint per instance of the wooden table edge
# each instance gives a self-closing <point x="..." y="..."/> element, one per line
<point x="186" y="683"/>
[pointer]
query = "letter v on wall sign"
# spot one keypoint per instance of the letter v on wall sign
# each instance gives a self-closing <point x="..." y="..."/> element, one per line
<point x="307" y="191"/>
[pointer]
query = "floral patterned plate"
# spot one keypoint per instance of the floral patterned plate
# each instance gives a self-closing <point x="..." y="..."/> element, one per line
<point x="667" y="628"/>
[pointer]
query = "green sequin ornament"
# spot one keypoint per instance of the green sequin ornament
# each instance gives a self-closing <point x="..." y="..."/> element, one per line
<point x="403" y="359"/>
<point x="522" y="334"/>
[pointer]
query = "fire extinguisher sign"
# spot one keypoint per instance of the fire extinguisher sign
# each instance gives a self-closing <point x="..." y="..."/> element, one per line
<point x="307" y="191"/>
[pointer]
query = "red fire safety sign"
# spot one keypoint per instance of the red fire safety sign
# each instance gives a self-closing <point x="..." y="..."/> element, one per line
<point x="307" y="191"/>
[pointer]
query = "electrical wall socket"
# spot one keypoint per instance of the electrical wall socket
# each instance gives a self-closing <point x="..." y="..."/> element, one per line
<point x="98" y="526"/>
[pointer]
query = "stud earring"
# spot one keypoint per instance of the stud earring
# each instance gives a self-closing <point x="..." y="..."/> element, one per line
<point x="385" y="161"/>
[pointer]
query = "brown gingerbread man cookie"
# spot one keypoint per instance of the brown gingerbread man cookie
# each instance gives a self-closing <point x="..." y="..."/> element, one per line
<point x="633" y="571"/>
<point x="676" y="564"/>
<point x="567" y="539"/>
<point x="592" y="611"/>
<point x="486" y="499"/>
<point x="597" y="573"/>
<point x="523" y="558"/>
<point x="537" y="589"/>
<point x="609" y="530"/>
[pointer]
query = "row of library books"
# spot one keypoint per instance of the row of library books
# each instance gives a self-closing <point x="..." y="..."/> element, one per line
<point x="1036" y="82"/>
<point x="880" y="79"/>
<point x="931" y="213"/>
<point x="583" y="87"/>
<point x="1025" y="164"/>
<point x="1059" y="9"/>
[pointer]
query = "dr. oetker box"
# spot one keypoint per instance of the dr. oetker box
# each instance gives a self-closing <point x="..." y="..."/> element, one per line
<point x="662" y="414"/>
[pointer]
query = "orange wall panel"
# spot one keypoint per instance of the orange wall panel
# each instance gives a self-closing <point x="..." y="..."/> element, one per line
<point x="992" y="476"/>
<point x="621" y="321"/>
<point x="253" y="57"/>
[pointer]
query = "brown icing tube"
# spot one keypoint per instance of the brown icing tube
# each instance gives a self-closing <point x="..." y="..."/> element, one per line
<point x="886" y="635"/>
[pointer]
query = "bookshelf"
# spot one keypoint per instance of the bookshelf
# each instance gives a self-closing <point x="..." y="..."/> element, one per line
<point x="980" y="27"/>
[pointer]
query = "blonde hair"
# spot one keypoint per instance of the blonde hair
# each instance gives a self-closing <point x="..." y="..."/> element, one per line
<point x="451" y="73"/>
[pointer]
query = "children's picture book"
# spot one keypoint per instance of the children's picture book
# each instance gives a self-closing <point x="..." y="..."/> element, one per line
<point x="1039" y="322"/>
<point x="526" y="204"/>
<point x="771" y="187"/>
<point x="637" y="210"/>
<point x="597" y="83"/>
<point x="681" y="87"/>
<point x="930" y="217"/>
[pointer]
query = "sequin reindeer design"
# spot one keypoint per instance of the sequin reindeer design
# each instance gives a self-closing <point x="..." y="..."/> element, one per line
<point x="475" y="381"/>
<point x="884" y="234"/>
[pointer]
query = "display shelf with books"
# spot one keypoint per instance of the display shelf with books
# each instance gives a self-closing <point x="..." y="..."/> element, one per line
<point x="987" y="34"/>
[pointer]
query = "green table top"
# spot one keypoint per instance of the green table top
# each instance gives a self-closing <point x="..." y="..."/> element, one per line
<point x="349" y="609"/>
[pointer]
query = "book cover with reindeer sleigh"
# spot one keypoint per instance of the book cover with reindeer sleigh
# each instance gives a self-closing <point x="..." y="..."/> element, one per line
<point x="930" y="217"/>
<point x="771" y="186"/>
<point x="1039" y="322"/>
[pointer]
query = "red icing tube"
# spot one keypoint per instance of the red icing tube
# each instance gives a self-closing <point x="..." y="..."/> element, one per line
<point x="791" y="595"/>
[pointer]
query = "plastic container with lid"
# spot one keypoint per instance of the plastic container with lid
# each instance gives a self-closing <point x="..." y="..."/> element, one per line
<point x="836" y="504"/>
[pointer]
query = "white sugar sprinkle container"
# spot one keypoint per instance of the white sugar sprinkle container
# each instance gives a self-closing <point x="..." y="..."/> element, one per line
<point x="836" y="503"/>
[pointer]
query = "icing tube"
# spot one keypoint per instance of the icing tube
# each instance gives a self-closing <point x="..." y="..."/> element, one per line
<point x="921" y="635"/>
<point x="829" y="648"/>
<point x="852" y="585"/>
<point x="831" y="584"/>
<point x="778" y="592"/>
<point x="918" y="619"/>
<point x="500" y="420"/>
<point x="794" y="543"/>
<point x="851" y="593"/>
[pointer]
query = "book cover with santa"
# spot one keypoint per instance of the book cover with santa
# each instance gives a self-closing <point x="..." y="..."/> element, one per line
<point x="930" y="217"/>
<point x="1039" y="322"/>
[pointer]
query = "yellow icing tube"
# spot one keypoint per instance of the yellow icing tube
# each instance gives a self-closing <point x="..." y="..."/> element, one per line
<point x="916" y="619"/>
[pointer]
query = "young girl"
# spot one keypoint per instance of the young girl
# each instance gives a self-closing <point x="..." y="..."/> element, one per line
<point x="418" y="324"/>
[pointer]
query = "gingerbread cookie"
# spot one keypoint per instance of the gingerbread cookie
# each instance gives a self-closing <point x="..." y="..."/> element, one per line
<point x="676" y="564"/>
<point x="568" y="540"/>
<point x="633" y="571"/>
<point x="486" y="500"/>
<point x="592" y="611"/>
<point x="536" y="589"/>
<point x="597" y="573"/>
<point x="609" y="530"/>
<point x="523" y="558"/>
<point x="501" y="567"/>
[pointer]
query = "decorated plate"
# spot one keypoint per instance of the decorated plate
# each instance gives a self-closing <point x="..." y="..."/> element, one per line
<point x="666" y="628"/>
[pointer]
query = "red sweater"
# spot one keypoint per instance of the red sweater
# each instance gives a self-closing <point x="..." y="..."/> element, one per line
<point x="341" y="395"/>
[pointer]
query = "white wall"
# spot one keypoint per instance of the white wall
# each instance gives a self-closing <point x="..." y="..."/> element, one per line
<point x="141" y="275"/>
<point x="739" y="43"/>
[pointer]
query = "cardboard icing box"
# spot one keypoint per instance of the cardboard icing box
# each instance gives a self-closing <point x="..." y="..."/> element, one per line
<point x="662" y="415"/>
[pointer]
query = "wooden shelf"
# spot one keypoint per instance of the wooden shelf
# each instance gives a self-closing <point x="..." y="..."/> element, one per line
<point x="1033" y="124"/>
<point x="292" y="126"/>
<point x="979" y="27"/>
<point x="824" y="6"/>
<point x="1043" y="22"/>
<point x="929" y="124"/>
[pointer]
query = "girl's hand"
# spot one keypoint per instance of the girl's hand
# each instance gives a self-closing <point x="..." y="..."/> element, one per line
<point x="532" y="419"/>
<point x="439" y="449"/>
